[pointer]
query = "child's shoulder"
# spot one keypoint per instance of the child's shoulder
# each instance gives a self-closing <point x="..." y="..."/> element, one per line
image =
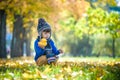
<point x="50" y="40"/>
<point x="36" y="41"/>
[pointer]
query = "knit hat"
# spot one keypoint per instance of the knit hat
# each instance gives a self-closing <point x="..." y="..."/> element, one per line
<point x="42" y="25"/>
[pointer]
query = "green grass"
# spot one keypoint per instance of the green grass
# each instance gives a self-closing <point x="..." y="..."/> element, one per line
<point x="90" y="58"/>
<point x="66" y="69"/>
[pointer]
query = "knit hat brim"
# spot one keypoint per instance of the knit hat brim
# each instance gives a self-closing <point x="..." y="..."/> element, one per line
<point x="40" y="32"/>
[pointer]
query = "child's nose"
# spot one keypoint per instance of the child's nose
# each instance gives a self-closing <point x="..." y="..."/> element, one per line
<point x="47" y="34"/>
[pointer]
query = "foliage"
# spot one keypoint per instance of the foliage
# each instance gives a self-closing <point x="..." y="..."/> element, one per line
<point x="104" y="21"/>
<point x="113" y="24"/>
<point x="95" y="23"/>
<point x="104" y="4"/>
<point x="30" y="10"/>
<point x="75" y="27"/>
<point x="107" y="23"/>
<point x="102" y="45"/>
<point x="74" y="69"/>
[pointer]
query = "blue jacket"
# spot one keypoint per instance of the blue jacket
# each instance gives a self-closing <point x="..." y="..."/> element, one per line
<point x="39" y="51"/>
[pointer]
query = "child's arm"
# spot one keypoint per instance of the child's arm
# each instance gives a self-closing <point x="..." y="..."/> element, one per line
<point x="54" y="49"/>
<point x="60" y="50"/>
<point x="39" y="51"/>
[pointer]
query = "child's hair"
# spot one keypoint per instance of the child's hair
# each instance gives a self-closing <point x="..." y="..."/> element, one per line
<point x="47" y="30"/>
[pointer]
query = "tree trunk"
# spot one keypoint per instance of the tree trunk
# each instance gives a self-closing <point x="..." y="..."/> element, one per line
<point x="3" y="52"/>
<point x="87" y="46"/>
<point x="27" y="41"/>
<point x="28" y="50"/>
<point x="28" y="38"/>
<point x="17" y="41"/>
<point x="113" y="47"/>
<point x="98" y="55"/>
<point x="91" y="4"/>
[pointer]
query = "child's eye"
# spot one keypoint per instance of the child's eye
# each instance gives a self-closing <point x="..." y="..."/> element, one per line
<point x="46" y="32"/>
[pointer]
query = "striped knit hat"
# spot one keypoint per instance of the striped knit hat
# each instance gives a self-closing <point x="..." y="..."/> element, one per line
<point x="42" y="25"/>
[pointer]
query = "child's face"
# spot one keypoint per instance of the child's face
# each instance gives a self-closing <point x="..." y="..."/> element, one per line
<point x="45" y="34"/>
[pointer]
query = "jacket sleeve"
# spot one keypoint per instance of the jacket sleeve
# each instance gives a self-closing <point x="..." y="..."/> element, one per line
<point x="39" y="51"/>
<point x="54" y="49"/>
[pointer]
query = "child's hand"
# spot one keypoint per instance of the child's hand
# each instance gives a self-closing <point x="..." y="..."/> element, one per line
<point x="42" y="43"/>
<point x="61" y="51"/>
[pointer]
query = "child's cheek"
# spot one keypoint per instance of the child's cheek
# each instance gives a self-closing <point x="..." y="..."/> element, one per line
<point x="48" y="35"/>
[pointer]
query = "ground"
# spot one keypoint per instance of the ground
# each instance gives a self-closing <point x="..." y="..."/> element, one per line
<point x="80" y="68"/>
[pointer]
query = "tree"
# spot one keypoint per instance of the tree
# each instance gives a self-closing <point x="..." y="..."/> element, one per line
<point x="23" y="15"/>
<point x="2" y="34"/>
<point x="3" y="16"/>
<point x="106" y="23"/>
<point x="17" y="41"/>
<point x="27" y="32"/>
<point x="113" y="27"/>
<point x="104" y="4"/>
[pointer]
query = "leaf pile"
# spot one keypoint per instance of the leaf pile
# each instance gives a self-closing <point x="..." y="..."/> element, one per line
<point x="24" y="68"/>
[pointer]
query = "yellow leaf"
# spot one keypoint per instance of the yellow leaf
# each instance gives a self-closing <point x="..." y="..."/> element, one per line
<point x="43" y="40"/>
<point x="99" y="78"/>
<point x="59" y="76"/>
<point x="26" y="75"/>
<point x="67" y="69"/>
<point x="40" y="74"/>
<point x="74" y="74"/>
<point x="47" y="69"/>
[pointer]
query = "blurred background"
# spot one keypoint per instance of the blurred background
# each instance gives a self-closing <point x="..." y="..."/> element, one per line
<point x="80" y="27"/>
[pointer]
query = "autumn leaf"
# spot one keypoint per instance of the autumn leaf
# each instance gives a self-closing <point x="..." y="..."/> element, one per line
<point x="40" y="74"/>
